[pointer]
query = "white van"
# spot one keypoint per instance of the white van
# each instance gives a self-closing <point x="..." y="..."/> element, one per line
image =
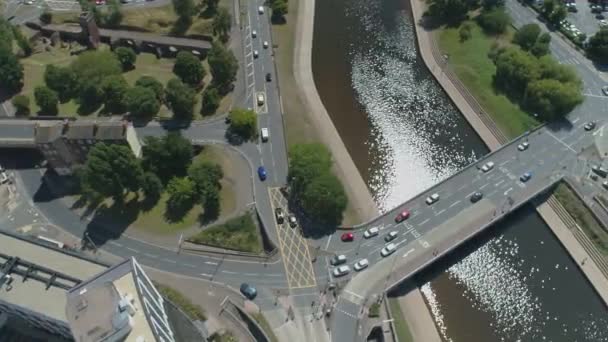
<point x="265" y="134"/>
<point x="260" y="99"/>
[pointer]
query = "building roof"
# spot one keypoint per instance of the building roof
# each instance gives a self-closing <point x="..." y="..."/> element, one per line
<point x="48" y="131"/>
<point x="110" y="130"/>
<point x="79" y="130"/>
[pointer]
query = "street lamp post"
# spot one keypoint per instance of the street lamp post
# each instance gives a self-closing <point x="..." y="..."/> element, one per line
<point x="86" y="235"/>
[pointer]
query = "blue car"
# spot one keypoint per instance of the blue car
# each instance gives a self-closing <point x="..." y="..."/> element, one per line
<point x="262" y="173"/>
<point x="248" y="291"/>
<point x="525" y="177"/>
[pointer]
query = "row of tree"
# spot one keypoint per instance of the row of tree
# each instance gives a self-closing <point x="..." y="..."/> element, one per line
<point x="11" y="71"/>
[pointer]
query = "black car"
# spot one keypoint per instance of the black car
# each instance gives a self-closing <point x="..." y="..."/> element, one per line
<point x="589" y="126"/>
<point x="278" y="212"/>
<point x="476" y="197"/>
<point x="248" y="291"/>
<point x="600" y="17"/>
<point x="268" y="77"/>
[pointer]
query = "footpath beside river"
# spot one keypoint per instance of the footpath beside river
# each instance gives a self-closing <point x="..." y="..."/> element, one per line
<point x="493" y="138"/>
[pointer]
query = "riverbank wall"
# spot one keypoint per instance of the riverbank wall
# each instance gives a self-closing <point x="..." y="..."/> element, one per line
<point x="494" y="138"/>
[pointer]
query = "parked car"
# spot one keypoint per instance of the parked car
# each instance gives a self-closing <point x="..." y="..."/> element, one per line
<point x="589" y="126"/>
<point x="268" y="77"/>
<point x="292" y="221"/>
<point x="361" y="264"/>
<point x="264" y="134"/>
<point x="338" y="260"/>
<point x="254" y="34"/>
<point x="255" y="54"/>
<point x="262" y="173"/>
<point x="347" y="237"/>
<point x="265" y="45"/>
<point x="260" y="99"/>
<point x="341" y="271"/>
<point x="388" y="250"/>
<point x="599" y="171"/>
<point x="371" y="232"/>
<point x="432" y="199"/>
<point x="525" y="177"/>
<point x="476" y="197"/>
<point x="523" y="146"/>
<point x="402" y="216"/>
<point x="3" y="177"/>
<point x="261" y="10"/>
<point x="280" y="216"/>
<point x="391" y="236"/>
<point x="487" y="166"/>
<point x="248" y="291"/>
<point x="605" y="90"/>
<point x="605" y="185"/>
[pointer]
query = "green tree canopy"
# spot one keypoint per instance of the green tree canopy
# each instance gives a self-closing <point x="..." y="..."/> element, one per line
<point x="244" y="123"/>
<point x="153" y="84"/>
<point x="152" y="187"/>
<point x="279" y="9"/>
<point x="11" y="71"/>
<point x="222" y="22"/>
<point x="515" y="69"/>
<point x="552" y="99"/>
<point x="182" y="195"/>
<point x="494" y="21"/>
<point x="307" y="162"/>
<point x="597" y="48"/>
<point x="527" y="36"/>
<point x="46" y="99"/>
<point x="94" y="66"/>
<point x="184" y="8"/>
<point x="550" y="68"/>
<point x="189" y="68"/>
<point x="451" y="11"/>
<point x="6" y="35"/>
<point x="181" y="99"/>
<point x="115" y="89"/>
<point x="21" y="104"/>
<point x="168" y="156"/>
<point x="206" y="177"/>
<point x="211" y="5"/>
<point x="223" y="66"/>
<point x="324" y="199"/>
<point x="126" y="56"/>
<point x="541" y="47"/>
<point x="141" y="102"/>
<point x="110" y="170"/>
<point x="210" y="101"/>
<point x="62" y="80"/>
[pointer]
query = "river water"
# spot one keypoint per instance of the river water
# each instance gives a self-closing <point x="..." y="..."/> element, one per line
<point x="515" y="283"/>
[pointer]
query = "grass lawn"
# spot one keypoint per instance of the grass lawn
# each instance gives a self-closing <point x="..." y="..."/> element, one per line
<point x="225" y="337"/>
<point x="239" y="233"/>
<point x="194" y="312"/>
<point x="217" y="155"/>
<point x="583" y="217"/>
<point x="471" y="63"/>
<point x="401" y="328"/>
<point x="265" y="326"/>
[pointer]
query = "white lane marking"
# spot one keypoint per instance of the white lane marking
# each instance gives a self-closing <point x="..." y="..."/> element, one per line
<point x="423" y="222"/>
<point x="206" y="275"/>
<point x="251" y="274"/>
<point x="170" y="261"/>
<point x="455" y="203"/>
<point x="273" y="274"/>
<point x="354" y="294"/>
<point x="228" y="272"/>
<point x="115" y="243"/>
<point x="462" y="187"/>
<point x="505" y="162"/>
<point x="563" y="143"/>
<point x="133" y="249"/>
<point x="439" y="212"/>
<point x="507" y="192"/>
<point x="470" y="194"/>
<point x="210" y="263"/>
<point x="575" y="120"/>
<point x="189" y="265"/>
<point x="328" y="240"/>
<point x="151" y="255"/>
<point x="408" y="252"/>
<point x="497" y="184"/>
<point x="483" y="186"/>
<point x="599" y="131"/>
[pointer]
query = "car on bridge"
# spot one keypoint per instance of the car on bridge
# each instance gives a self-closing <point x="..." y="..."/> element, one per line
<point x="248" y="291"/>
<point x="292" y="221"/>
<point x="338" y="260"/>
<point x="525" y="177"/>
<point x="523" y="146"/>
<point x="432" y="199"/>
<point x="262" y="173"/>
<point x="278" y="212"/>
<point x="391" y="236"/>
<point x="388" y="250"/>
<point x="371" y="232"/>
<point x="341" y="271"/>
<point x="589" y="126"/>
<point x="487" y="166"/>
<point x="361" y="265"/>
<point x="402" y="216"/>
<point x="476" y="197"/>
<point x="347" y="237"/>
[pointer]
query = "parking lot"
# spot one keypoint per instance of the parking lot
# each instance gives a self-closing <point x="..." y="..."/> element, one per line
<point x="584" y="20"/>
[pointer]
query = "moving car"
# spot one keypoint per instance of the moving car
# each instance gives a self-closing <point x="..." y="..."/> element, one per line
<point x="402" y="216"/>
<point x="371" y="232"/>
<point x="525" y="177"/>
<point x="254" y="33"/>
<point x="260" y="99"/>
<point x="605" y="185"/>
<point x="265" y="45"/>
<point x="589" y="126"/>
<point x="523" y="146"/>
<point x="388" y="250"/>
<point x="599" y="171"/>
<point x="264" y="134"/>
<point x="487" y="166"/>
<point x="391" y="236"/>
<point x="605" y="90"/>
<point x="268" y="77"/>
<point x="262" y="173"/>
<point x="361" y="264"/>
<point x="278" y="213"/>
<point x="255" y="54"/>
<point x="261" y="10"/>
<point x="248" y="291"/>
<point x="338" y="260"/>
<point x="341" y="271"/>
<point x="432" y="199"/>
<point x="476" y="197"/>
<point x="347" y="237"/>
<point x="292" y="221"/>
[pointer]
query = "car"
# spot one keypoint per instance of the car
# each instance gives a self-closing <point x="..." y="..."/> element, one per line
<point x="487" y="166"/>
<point x="361" y="265"/>
<point x="605" y="90"/>
<point x="432" y="199"/>
<point x="268" y="77"/>
<point x="603" y="23"/>
<point x="254" y="34"/>
<point x="338" y="260"/>
<point x="292" y="221"/>
<point x="248" y="291"/>
<point x="264" y="134"/>
<point x="523" y="146"/>
<point x="280" y="216"/>
<point x="593" y="176"/>
<point x="261" y="10"/>
<point x="525" y="177"/>
<point x="341" y="271"/>
<point x="388" y="250"/>
<point x="391" y="236"/>
<point x="600" y="17"/>
<point x="3" y="178"/>
<point x="255" y="54"/>
<point x="605" y="185"/>
<point x="125" y="1"/>
<point x="589" y="126"/>
<point x="371" y="232"/>
<point x="347" y="237"/>
<point x="402" y="216"/>
<point x="260" y="99"/>
<point x="262" y="173"/>
<point x="265" y="45"/>
<point x="476" y="197"/>
<point x="599" y="171"/>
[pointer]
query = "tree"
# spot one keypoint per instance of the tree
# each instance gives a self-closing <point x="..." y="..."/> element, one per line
<point x="189" y="68"/>
<point x="6" y="35"/>
<point x="306" y="162"/>
<point x="94" y="66"/>
<point x="141" y="102"/>
<point x="244" y="123"/>
<point x="152" y="187"/>
<point x="552" y="99"/>
<point x="21" y="104"/>
<point x="465" y="31"/>
<point x="551" y="69"/>
<point x="46" y="99"/>
<point x="181" y="99"/>
<point x="182" y="194"/>
<point x="548" y="7"/>
<point x="324" y="199"/>
<point x="206" y="177"/>
<point x="526" y="36"/>
<point x="223" y="66"/>
<point x="451" y="11"/>
<point x="11" y="71"/>
<point x="491" y="4"/>
<point x="210" y="101"/>
<point x="514" y="70"/>
<point x="167" y="157"/>
<point x="23" y="43"/>
<point x="153" y="84"/>
<point x="211" y="5"/>
<point x="541" y="47"/>
<point x="559" y="13"/>
<point x="110" y="170"/>
<point x="115" y="89"/>
<point x="126" y="56"/>
<point x="597" y="48"/>
<point x="494" y="21"/>
<point x="279" y="9"/>
<point x="62" y="80"/>
<point x="112" y="17"/>
<point x="46" y="17"/>
<point x="184" y="8"/>
<point x="222" y="22"/>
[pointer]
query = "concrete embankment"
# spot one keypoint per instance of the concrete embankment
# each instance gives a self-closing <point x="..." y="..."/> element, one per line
<point x="493" y="138"/>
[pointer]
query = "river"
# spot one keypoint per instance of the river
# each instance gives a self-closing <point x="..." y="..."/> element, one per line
<point x="515" y="283"/>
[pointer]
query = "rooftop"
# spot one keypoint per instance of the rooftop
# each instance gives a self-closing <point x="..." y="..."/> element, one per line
<point x="110" y="130"/>
<point x="80" y="130"/>
<point x="48" y="131"/>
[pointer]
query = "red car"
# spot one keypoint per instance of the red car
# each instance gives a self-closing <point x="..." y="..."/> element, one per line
<point x="402" y="216"/>
<point x="346" y="237"/>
